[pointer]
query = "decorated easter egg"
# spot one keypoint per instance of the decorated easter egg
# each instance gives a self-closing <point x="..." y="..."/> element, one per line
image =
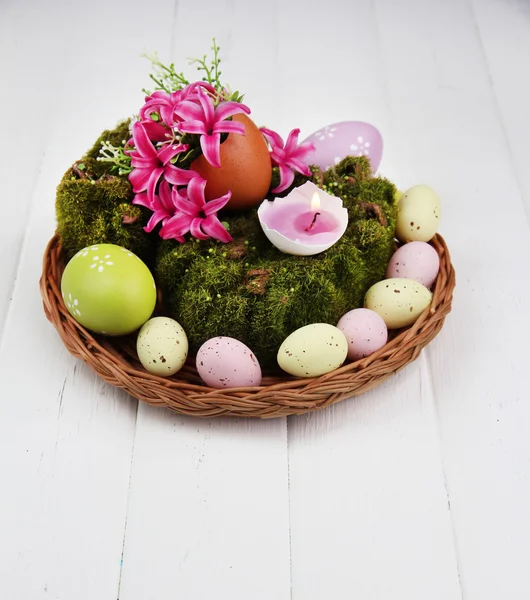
<point x="415" y="260"/>
<point x="108" y="289"/>
<point x="313" y="350"/>
<point x="348" y="138"/>
<point x="398" y="301"/>
<point x="419" y="212"/>
<point x="365" y="332"/>
<point x="224" y="362"/>
<point x="162" y="346"/>
<point x="245" y="170"/>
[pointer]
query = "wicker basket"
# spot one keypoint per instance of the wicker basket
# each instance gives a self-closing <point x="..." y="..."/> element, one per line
<point x="115" y="360"/>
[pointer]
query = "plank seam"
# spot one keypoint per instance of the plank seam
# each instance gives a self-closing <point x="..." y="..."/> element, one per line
<point x="454" y="536"/>
<point x="289" y="509"/>
<point x="22" y="247"/>
<point x="127" y="503"/>
<point x="499" y="112"/>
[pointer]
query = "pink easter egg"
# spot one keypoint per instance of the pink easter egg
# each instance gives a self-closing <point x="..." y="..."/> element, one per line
<point x="365" y="332"/>
<point x="348" y="138"/>
<point x="224" y="362"/>
<point x="415" y="260"/>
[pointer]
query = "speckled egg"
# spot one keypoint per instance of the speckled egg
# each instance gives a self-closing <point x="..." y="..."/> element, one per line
<point x="245" y="170"/>
<point x="415" y="260"/>
<point x="313" y="350"/>
<point x="419" y="214"/>
<point x="162" y="346"/>
<point x="108" y="289"/>
<point x="224" y="362"/>
<point x="398" y="301"/>
<point x="365" y="332"/>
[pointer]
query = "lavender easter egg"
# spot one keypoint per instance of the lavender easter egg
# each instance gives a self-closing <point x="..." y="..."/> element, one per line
<point x="224" y="362"/>
<point x="347" y="138"/>
<point x="365" y="331"/>
<point x="416" y="260"/>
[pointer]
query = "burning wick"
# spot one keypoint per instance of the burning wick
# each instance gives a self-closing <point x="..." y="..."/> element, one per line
<point x="312" y="222"/>
<point x="315" y="205"/>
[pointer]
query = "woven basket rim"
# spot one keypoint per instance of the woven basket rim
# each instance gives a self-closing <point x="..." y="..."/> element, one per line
<point x="115" y="361"/>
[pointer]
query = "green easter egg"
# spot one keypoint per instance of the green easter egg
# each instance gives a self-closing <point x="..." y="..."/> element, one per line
<point x="108" y="289"/>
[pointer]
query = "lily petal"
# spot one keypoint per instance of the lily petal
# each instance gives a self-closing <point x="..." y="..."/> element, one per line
<point x="292" y="141"/>
<point x="141" y="200"/>
<point x="272" y="137"/>
<point x="229" y="127"/>
<point x="286" y="179"/>
<point x="211" y="148"/>
<point x="190" y="111"/>
<point x="216" y="205"/>
<point x="214" y="228"/>
<point x="175" y="227"/>
<point x="208" y="108"/>
<point x="196" y="127"/>
<point x="299" y="166"/>
<point x="139" y="179"/>
<point x="166" y="196"/>
<point x="153" y="180"/>
<point x="177" y="176"/>
<point x="229" y="109"/>
<point x="142" y="142"/>
<point x="156" y="132"/>
<point x="196" y="188"/>
<point x="171" y="150"/>
<point x="186" y="207"/>
<point x="196" y="230"/>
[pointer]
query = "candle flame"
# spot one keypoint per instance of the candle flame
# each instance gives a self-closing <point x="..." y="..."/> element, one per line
<point x="315" y="202"/>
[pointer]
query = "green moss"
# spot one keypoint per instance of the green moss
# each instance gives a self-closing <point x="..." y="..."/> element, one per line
<point x="94" y="206"/>
<point x="250" y="291"/>
<point x="246" y="289"/>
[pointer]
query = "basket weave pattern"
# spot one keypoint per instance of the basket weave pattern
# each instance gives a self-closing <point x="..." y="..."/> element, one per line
<point x="115" y="360"/>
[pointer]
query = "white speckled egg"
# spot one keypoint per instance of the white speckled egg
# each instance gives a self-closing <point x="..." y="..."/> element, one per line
<point x="313" y="350"/>
<point x="365" y="331"/>
<point x="415" y="260"/>
<point x="224" y="362"/>
<point x="419" y="214"/>
<point x="162" y="346"/>
<point x="398" y="301"/>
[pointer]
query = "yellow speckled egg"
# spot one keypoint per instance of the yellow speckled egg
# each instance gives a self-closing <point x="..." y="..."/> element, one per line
<point x="313" y="350"/>
<point x="419" y="214"/>
<point x="398" y="300"/>
<point x="162" y="346"/>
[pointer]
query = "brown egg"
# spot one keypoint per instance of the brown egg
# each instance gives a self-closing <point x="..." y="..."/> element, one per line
<point x="245" y="168"/>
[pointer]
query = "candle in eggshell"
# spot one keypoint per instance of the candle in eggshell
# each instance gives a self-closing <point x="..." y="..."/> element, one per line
<point x="305" y="222"/>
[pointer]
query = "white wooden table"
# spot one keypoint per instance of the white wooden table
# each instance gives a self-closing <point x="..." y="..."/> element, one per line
<point x="419" y="489"/>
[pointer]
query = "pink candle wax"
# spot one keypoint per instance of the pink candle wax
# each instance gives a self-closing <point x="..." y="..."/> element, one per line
<point x="295" y="222"/>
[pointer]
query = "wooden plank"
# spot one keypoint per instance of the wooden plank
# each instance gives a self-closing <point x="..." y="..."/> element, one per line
<point x="369" y="510"/>
<point x="66" y="437"/>
<point x="211" y="497"/>
<point x="448" y="132"/>
<point x="207" y="497"/>
<point x="29" y="91"/>
<point x="503" y="32"/>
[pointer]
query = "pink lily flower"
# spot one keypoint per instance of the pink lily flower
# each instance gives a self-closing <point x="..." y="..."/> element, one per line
<point x="209" y="122"/>
<point x="162" y="206"/>
<point x="196" y="215"/>
<point x="150" y="164"/>
<point x="164" y="104"/>
<point x="289" y="157"/>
